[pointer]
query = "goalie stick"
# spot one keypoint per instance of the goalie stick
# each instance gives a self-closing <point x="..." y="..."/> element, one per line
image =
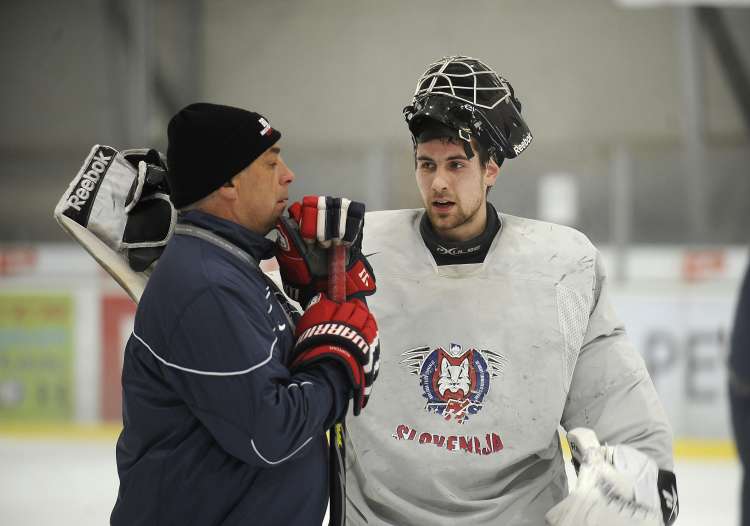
<point x="337" y="448"/>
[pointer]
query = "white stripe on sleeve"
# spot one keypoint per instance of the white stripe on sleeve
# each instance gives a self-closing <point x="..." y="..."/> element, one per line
<point x="209" y="373"/>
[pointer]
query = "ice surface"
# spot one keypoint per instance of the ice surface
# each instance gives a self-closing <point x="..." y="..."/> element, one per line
<point x="68" y="482"/>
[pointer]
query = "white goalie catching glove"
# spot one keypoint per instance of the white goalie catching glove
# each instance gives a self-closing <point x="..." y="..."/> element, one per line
<point x="118" y="208"/>
<point x="617" y="486"/>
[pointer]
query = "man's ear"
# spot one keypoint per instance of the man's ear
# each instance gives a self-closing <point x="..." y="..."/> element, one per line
<point x="228" y="190"/>
<point x="491" y="172"/>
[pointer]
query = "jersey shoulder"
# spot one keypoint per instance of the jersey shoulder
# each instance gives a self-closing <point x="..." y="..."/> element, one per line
<point x="545" y="235"/>
<point x="391" y="228"/>
<point x="392" y="237"/>
<point x="384" y="219"/>
<point x="542" y="250"/>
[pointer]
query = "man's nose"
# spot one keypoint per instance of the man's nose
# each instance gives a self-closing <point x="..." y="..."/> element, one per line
<point x="288" y="177"/>
<point x="440" y="181"/>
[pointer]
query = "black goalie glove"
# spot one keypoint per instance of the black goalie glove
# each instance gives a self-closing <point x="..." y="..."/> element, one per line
<point x="118" y="208"/>
<point x="151" y="216"/>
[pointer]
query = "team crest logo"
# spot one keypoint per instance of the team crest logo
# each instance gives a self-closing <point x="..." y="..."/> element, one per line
<point x="455" y="381"/>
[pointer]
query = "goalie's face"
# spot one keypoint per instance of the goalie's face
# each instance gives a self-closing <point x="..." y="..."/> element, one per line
<point x="453" y="188"/>
<point x="261" y="191"/>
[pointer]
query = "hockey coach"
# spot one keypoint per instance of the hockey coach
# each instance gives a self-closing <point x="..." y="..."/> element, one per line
<point x="218" y="428"/>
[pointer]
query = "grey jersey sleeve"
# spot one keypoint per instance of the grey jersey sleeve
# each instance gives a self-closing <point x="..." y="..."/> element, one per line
<point x="611" y="391"/>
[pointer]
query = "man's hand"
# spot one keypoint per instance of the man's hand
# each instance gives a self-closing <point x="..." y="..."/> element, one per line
<point x="346" y="333"/>
<point x="617" y="486"/>
<point x="311" y="227"/>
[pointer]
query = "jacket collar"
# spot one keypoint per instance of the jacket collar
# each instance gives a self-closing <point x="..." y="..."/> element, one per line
<point x="251" y="242"/>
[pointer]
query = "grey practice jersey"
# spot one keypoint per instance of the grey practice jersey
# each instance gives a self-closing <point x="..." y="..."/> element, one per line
<point x="480" y="364"/>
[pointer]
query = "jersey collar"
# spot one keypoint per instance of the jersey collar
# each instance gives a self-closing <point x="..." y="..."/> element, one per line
<point x="460" y="252"/>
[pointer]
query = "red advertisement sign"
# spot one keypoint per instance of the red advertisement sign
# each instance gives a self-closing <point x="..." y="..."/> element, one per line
<point x="17" y="260"/>
<point x="703" y="264"/>
<point x="118" y="313"/>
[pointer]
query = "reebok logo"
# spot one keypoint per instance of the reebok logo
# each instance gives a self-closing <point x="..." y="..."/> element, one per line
<point x="91" y="178"/>
<point x="518" y="148"/>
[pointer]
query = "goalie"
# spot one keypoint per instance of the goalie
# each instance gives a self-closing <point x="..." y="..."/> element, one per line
<point x="497" y="330"/>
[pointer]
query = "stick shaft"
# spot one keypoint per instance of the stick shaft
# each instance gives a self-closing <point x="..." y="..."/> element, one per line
<point x="337" y="273"/>
<point x="337" y="448"/>
<point x="337" y="475"/>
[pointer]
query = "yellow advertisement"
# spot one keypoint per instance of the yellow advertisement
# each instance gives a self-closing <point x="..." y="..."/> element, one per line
<point x="36" y="357"/>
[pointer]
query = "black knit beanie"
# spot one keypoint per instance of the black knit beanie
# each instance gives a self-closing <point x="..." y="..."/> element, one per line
<point x="209" y="144"/>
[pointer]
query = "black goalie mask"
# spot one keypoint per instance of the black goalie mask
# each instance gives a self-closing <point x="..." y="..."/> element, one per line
<point x="465" y="95"/>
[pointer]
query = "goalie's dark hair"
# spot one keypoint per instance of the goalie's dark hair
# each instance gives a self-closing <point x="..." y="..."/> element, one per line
<point x="432" y="129"/>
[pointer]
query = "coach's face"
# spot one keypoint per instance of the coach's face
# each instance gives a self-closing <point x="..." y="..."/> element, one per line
<point x="453" y="188"/>
<point x="262" y="191"/>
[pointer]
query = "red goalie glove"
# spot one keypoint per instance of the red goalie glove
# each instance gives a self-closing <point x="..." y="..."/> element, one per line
<point x="346" y="333"/>
<point x="313" y="225"/>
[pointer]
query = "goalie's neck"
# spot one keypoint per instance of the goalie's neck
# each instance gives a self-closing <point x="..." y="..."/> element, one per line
<point x="460" y="252"/>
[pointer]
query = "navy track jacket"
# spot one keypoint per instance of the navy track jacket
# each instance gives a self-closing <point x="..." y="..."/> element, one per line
<point x="216" y="429"/>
